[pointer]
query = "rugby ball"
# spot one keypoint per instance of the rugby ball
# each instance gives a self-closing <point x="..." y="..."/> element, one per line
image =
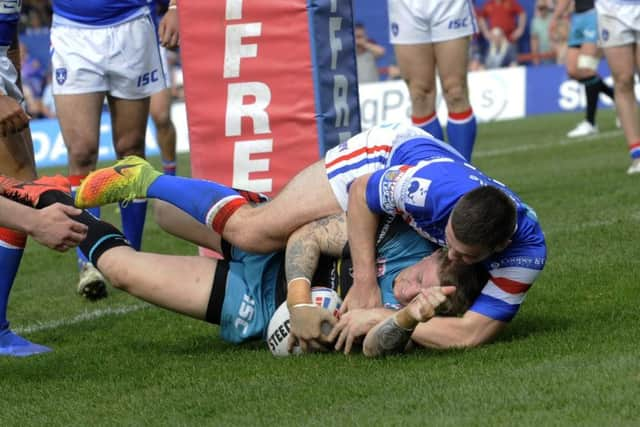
<point x="279" y="325"/>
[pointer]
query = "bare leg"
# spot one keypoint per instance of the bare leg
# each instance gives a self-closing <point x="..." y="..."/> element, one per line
<point x="180" y="224"/>
<point x="417" y="66"/>
<point x="452" y="64"/>
<point x="179" y="283"/>
<point x="622" y="61"/>
<point x="266" y="227"/>
<point x="160" y="110"/>
<point x="129" y="123"/>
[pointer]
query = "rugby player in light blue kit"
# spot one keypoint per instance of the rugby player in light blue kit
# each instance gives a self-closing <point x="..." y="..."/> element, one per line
<point x="104" y="49"/>
<point x="388" y="169"/>
<point x="241" y="292"/>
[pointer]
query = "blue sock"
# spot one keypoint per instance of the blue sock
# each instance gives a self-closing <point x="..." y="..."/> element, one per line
<point x="206" y="201"/>
<point x="430" y="124"/>
<point x="461" y="132"/>
<point x="133" y="215"/>
<point x="169" y="167"/>
<point x="12" y="246"/>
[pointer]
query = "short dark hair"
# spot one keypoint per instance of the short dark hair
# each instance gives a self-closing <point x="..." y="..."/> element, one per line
<point x="485" y="216"/>
<point x="468" y="280"/>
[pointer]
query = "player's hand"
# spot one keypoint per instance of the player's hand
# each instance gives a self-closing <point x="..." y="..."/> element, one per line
<point x="362" y="294"/>
<point x="53" y="227"/>
<point x="310" y="328"/>
<point x="13" y="118"/>
<point x="423" y="306"/>
<point x="352" y="327"/>
<point x="169" y="30"/>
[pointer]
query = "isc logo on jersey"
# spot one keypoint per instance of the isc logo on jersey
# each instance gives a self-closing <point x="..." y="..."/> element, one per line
<point x="279" y="325"/>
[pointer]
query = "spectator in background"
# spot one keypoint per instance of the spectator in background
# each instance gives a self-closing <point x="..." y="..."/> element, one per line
<point x="542" y="49"/>
<point x="433" y="38"/>
<point x="476" y="58"/>
<point x="501" y="53"/>
<point x="367" y="53"/>
<point x="619" y="26"/>
<point x="47" y="103"/>
<point x="33" y="78"/>
<point x="583" y="58"/>
<point x="560" y="40"/>
<point x="508" y="15"/>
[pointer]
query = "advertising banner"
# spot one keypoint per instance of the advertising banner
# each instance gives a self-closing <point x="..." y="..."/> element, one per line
<point x="269" y="86"/>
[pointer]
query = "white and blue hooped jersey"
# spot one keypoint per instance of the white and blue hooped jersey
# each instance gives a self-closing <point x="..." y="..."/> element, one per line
<point x="424" y="190"/>
<point x="97" y="13"/>
<point x="9" y="17"/>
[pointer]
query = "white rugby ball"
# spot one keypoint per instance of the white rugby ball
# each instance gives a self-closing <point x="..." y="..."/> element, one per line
<point x="278" y="329"/>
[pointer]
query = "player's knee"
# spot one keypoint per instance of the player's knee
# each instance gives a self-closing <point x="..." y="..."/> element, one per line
<point x="132" y="146"/>
<point x="455" y="96"/>
<point x="83" y="155"/>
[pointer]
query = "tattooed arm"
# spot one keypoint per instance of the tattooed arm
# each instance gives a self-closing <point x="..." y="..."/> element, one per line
<point x="310" y="325"/>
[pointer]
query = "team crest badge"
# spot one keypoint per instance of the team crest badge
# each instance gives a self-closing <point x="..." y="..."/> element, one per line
<point x="61" y="75"/>
<point x="395" y="29"/>
<point x="605" y="34"/>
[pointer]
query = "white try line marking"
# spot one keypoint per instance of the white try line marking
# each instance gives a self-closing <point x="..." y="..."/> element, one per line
<point x="80" y="318"/>
<point x="530" y="147"/>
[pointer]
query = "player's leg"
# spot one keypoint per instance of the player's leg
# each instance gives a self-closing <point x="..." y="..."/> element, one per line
<point x="622" y="62"/>
<point x="410" y="34"/>
<point x="79" y="118"/>
<point x="262" y="228"/>
<point x="417" y="66"/>
<point x="452" y="58"/>
<point x="180" y="224"/>
<point x="16" y="160"/>
<point x="129" y="125"/>
<point x="160" y="110"/>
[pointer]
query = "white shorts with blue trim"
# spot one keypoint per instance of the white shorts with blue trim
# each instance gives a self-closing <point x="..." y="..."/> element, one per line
<point x="122" y="60"/>
<point x="430" y="21"/>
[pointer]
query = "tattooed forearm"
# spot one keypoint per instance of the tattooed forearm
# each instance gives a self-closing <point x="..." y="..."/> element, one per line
<point x="387" y="338"/>
<point x="324" y="236"/>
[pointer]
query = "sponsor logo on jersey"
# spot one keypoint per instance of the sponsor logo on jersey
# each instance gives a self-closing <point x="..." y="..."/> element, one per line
<point x="416" y="193"/>
<point x="61" y="75"/>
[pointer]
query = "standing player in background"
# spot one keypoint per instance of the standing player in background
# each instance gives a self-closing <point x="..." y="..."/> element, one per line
<point x="160" y="107"/>
<point x="16" y="160"/>
<point x="619" y="35"/>
<point x="104" y="48"/>
<point x="430" y="36"/>
<point x="583" y="57"/>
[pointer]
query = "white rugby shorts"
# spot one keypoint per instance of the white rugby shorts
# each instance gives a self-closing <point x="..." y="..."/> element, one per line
<point x="364" y="153"/>
<point x="123" y="60"/>
<point x="9" y="78"/>
<point x="430" y="21"/>
<point x="618" y="22"/>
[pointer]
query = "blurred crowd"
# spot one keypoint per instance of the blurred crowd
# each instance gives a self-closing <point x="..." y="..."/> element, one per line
<point x="36" y="74"/>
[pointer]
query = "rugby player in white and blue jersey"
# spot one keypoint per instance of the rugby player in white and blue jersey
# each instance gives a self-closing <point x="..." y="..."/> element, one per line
<point x="104" y="49"/>
<point x="389" y="169"/>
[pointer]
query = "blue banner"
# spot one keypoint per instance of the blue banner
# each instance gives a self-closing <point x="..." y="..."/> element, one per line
<point x="49" y="148"/>
<point x="336" y="85"/>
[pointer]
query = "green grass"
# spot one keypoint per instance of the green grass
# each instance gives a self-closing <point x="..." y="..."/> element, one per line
<point x="570" y="357"/>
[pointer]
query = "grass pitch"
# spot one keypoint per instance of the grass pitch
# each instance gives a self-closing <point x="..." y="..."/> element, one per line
<point x="570" y="357"/>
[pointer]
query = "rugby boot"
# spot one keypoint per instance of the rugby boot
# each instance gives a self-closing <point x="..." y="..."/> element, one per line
<point x="127" y="179"/>
<point x="29" y="192"/>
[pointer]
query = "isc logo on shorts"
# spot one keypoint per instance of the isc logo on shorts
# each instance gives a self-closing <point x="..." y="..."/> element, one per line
<point x="454" y="24"/>
<point x="146" y="78"/>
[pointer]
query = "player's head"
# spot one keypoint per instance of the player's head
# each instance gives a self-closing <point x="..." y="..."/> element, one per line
<point x="481" y="223"/>
<point x="438" y="270"/>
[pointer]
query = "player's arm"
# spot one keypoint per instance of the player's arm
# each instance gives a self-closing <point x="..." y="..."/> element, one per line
<point x="393" y="334"/>
<point x="326" y="236"/>
<point x="471" y="330"/>
<point x="13" y="118"/>
<point x="169" y="27"/>
<point x="362" y="224"/>
<point x="51" y="226"/>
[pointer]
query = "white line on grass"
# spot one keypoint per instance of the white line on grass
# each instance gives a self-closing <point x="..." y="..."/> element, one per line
<point x="80" y="318"/>
<point x="530" y="147"/>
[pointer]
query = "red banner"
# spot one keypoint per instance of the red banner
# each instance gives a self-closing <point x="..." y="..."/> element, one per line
<point x="251" y="89"/>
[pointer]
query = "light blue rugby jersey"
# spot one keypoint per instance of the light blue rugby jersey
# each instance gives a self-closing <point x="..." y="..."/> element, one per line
<point x="9" y="17"/>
